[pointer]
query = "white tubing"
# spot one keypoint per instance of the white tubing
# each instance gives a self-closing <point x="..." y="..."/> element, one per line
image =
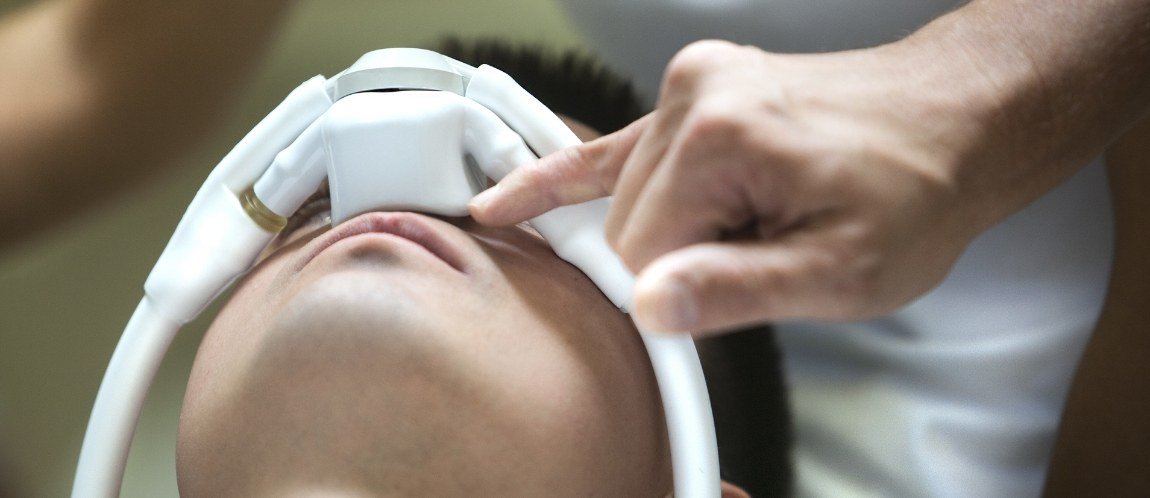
<point x="194" y="266"/>
<point x="532" y="120"/>
<point x="248" y="160"/>
<point x="118" y="403"/>
<point x="577" y="236"/>
<point x="687" y="407"/>
<point x="214" y="242"/>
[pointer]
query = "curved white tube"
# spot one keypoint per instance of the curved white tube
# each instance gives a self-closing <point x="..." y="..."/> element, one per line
<point x="205" y="252"/>
<point x="539" y="127"/>
<point x="576" y="234"/>
<point x="687" y="406"/>
<point x="118" y="403"/>
<point x="215" y="241"/>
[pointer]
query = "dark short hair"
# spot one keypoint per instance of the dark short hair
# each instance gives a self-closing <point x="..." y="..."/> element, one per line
<point x="752" y="413"/>
<point x="743" y="368"/>
<point x="573" y="82"/>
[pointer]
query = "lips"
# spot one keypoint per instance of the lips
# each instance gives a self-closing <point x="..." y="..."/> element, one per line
<point x="413" y="227"/>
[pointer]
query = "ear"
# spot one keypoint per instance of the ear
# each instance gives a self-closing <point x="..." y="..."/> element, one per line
<point x="729" y="490"/>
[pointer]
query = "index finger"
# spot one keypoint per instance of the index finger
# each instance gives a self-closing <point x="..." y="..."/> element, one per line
<point x="569" y="176"/>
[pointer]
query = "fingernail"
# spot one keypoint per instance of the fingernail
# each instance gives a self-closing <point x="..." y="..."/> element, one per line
<point x="668" y="303"/>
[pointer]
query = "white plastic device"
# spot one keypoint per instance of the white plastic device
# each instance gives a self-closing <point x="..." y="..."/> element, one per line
<point x="342" y="130"/>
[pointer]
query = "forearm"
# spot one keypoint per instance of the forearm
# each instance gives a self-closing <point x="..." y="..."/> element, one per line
<point x="97" y="92"/>
<point x="153" y="50"/>
<point x="1052" y="82"/>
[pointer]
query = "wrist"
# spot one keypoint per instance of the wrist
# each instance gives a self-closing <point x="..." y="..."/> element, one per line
<point x="1047" y="88"/>
<point x="1009" y="138"/>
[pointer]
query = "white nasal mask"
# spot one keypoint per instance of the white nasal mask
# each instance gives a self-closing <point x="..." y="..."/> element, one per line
<point x="437" y="138"/>
<point x="401" y="129"/>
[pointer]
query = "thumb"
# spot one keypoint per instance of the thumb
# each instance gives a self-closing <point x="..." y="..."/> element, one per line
<point x="569" y="176"/>
<point x="707" y="287"/>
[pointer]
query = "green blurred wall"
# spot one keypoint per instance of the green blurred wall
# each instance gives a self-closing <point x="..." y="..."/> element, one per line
<point x="65" y="296"/>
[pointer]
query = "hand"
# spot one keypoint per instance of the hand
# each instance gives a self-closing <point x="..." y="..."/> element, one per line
<point x="771" y="187"/>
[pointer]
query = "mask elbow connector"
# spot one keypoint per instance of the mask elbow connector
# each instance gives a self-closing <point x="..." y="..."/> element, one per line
<point x="260" y="213"/>
<point x="204" y="257"/>
<point x="295" y="174"/>
<point x="217" y="239"/>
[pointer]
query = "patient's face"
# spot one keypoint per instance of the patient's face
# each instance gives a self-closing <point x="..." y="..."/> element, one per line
<point x="404" y="354"/>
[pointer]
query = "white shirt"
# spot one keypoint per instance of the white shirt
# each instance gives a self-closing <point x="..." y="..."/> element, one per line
<point x="959" y="393"/>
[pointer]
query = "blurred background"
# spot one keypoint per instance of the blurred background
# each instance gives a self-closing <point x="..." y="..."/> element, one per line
<point x="65" y="295"/>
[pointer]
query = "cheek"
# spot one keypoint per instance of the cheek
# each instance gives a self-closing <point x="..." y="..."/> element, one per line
<point x="560" y="298"/>
<point x="231" y="342"/>
<point x="245" y="312"/>
<point x="554" y="289"/>
<point x="580" y="364"/>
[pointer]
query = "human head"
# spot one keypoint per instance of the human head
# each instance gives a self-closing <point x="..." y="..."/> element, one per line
<point x="379" y="366"/>
<point x="471" y="362"/>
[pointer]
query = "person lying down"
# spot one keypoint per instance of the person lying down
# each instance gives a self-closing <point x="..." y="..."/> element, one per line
<point x="400" y="354"/>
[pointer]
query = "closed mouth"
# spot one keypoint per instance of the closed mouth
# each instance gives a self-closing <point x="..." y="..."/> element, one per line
<point x="420" y="229"/>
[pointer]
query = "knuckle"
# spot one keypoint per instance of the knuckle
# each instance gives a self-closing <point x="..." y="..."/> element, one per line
<point x="532" y="179"/>
<point x="566" y="176"/>
<point x="540" y="187"/>
<point x="600" y="162"/>
<point x="629" y="253"/>
<point x="715" y="120"/>
<point x="590" y="166"/>
<point x="574" y="161"/>
<point x="704" y="52"/>
<point x="856" y="281"/>
<point x="694" y="59"/>
<point x="717" y="133"/>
